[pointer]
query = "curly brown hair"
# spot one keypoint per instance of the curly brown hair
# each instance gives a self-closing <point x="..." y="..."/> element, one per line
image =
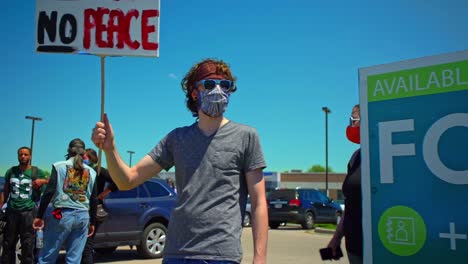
<point x="188" y="82"/>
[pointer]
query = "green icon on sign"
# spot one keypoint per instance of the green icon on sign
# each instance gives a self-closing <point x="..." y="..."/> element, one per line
<point x="402" y="230"/>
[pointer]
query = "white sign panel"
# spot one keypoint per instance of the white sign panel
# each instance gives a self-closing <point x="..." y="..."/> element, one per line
<point x="104" y="27"/>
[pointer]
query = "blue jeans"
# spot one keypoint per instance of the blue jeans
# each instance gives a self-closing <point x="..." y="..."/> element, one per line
<point x="195" y="261"/>
<point x="69" y="232"/>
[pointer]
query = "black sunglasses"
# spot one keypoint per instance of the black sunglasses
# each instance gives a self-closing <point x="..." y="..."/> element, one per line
<point x="209" y="84"/>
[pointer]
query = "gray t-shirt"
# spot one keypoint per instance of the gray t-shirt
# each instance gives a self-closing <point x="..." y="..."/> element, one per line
<point x="210" y="179"/>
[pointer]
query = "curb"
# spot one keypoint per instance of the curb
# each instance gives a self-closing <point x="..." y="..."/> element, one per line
<point x="324" y="230"/>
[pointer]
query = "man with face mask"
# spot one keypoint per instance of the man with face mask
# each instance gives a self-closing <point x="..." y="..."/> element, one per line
<point x="217" y="163"/>
<point x="350" y="226"/>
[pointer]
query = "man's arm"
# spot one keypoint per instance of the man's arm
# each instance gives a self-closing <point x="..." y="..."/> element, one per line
<point x="127" y="178"/>
<point x="256" y="187"/>
<point x="104" y="193"/>
<point x="6" y="191"/>
<point x="335" y="242"/>
<point x="107" y="182"/>
<point x="124" y="177"/>
<point x="92" y="209"/>
<point x="2" y="199"/>
<point x="48" y="193"/>
<point x="40" y="181"/>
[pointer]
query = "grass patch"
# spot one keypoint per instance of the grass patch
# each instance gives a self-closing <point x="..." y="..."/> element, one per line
<point x="326" y="226"/>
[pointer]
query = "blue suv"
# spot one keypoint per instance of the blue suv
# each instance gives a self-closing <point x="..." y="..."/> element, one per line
<point x="137" y="217"/>
<point x="302" y="206"/>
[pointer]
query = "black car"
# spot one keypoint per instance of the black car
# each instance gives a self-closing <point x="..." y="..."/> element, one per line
<point x="302" y="206"/>
<point x="137" y="217"/>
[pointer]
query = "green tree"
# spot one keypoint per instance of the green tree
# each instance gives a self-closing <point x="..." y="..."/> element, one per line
<point x="319" y="168"/>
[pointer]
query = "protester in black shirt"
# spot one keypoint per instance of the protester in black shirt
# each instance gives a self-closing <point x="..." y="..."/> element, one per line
<point x="351" y="224"/>
<point x="105" y="185"/>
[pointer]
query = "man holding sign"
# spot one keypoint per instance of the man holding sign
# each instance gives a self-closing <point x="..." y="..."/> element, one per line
<point x="217" y="163"/>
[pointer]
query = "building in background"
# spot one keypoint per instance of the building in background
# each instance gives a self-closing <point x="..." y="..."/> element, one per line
<point x="315" y="180"/>
<point x="295" y="179"/>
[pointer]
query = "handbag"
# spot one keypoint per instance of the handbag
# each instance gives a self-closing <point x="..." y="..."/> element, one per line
<point x="101" y="213"/>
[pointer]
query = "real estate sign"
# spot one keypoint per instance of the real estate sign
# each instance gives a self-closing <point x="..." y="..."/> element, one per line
<point x="99" y="27"/>
<point x="414" y="139"/>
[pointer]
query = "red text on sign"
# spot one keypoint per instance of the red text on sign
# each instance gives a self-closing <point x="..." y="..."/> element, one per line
<point x="118" y="24"/>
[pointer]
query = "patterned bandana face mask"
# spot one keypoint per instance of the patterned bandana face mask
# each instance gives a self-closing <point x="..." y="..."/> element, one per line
<point x="213" y="102"/>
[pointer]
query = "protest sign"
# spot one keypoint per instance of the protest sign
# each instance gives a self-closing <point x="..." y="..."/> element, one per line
<point x="414" y="139"/>
<point x="104" y="27"/>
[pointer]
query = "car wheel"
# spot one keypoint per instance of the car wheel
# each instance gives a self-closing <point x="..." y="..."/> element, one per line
<point x="274" y="225"/>
<point x="105" y="251"/>
<point x="246" y="221"/>
<point x="153" y="241"/>
<point x="308" y="221"/>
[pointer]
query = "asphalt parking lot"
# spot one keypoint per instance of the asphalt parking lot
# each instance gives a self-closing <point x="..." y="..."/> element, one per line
<point x="288" y="244"/>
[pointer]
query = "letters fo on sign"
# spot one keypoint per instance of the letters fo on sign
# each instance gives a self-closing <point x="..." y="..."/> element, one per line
<point x="100" y="27"/>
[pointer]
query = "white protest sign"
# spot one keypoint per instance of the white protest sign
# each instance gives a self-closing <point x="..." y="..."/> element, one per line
<point x="104" y="27"/>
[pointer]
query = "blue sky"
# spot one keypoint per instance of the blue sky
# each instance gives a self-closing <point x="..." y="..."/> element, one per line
<point x="290" y="58"/>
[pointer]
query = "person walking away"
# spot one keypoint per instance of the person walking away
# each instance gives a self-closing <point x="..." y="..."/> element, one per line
<point x="21" y="192"/>
<point x="217" y="163"/>
<point x="72" y="192"/>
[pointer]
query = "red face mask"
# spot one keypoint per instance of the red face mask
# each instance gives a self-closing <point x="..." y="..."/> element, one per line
<point x="353" y="134"/>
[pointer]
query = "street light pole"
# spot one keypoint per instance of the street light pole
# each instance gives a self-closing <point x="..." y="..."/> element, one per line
<point x="34" y="119"/>
<point x="327" y="111"/>
<point x="131" y="152"/>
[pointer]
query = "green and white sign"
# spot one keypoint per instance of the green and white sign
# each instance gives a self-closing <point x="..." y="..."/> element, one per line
<point x="414" y="139"/>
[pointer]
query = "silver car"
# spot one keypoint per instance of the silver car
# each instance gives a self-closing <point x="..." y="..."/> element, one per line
<point x="248" y="214"/>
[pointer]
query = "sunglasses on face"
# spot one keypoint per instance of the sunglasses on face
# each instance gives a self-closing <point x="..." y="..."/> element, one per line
<point x="209" y="84"/>
<point x="353" y="120"/>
